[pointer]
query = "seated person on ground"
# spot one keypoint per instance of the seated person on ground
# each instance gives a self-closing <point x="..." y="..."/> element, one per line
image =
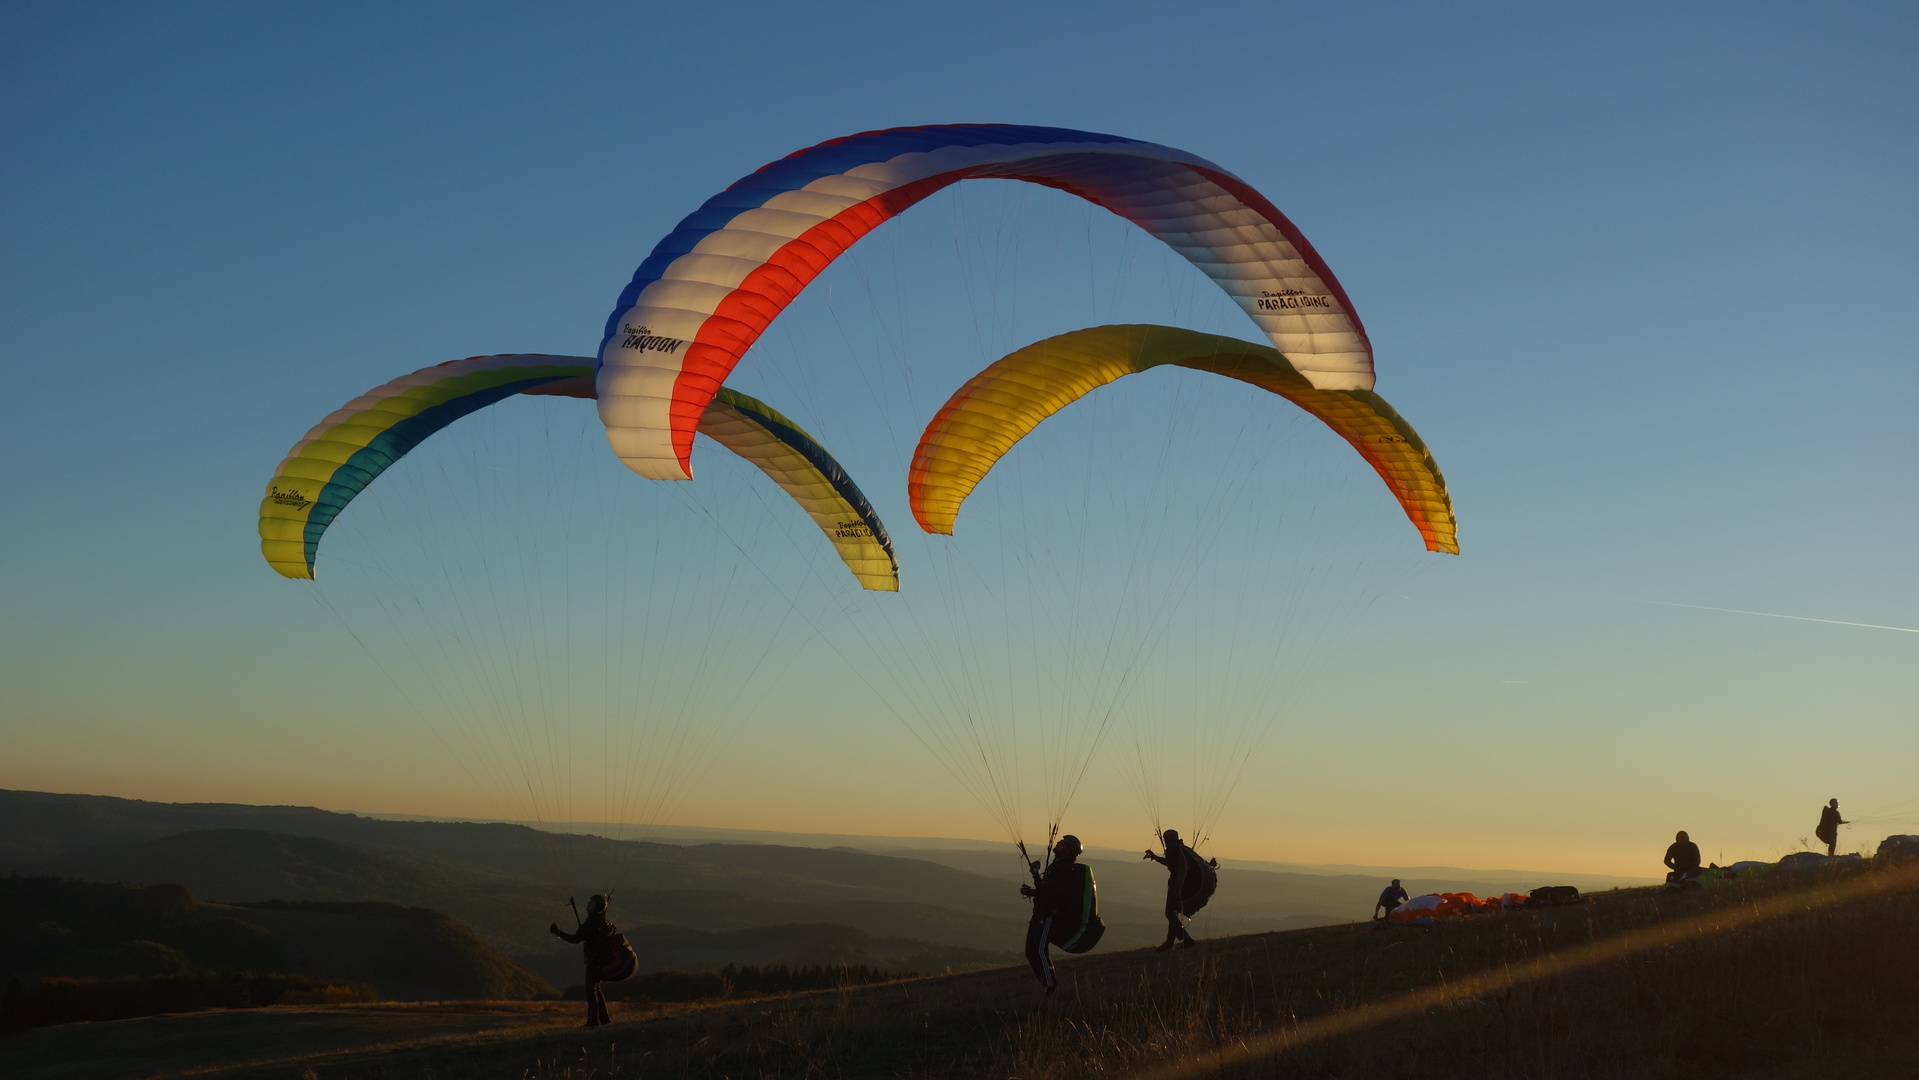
<point x="1682" y="859"/>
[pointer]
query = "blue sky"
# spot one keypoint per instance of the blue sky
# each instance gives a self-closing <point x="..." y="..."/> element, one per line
<point x="1641" y="278"/>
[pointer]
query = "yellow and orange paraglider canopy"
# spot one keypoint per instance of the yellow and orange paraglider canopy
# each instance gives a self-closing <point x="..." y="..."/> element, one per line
<point x="1002" y="404"/>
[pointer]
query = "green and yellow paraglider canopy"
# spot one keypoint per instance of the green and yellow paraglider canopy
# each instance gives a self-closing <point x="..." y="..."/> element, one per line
<point x="349" y="449"/>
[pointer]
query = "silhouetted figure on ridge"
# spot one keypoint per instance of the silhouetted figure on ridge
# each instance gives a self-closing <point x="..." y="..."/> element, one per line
<point x="1065" y="909"/>
<point x="608" y="957"/>
<point x="1828" y="830"/>
<point x="1682" y="859"/>
<point x="1390" y="899"/>
<point x="1190" y="881"/>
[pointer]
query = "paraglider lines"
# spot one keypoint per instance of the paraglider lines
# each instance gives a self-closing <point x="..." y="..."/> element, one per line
<point x="1776" y="615"/>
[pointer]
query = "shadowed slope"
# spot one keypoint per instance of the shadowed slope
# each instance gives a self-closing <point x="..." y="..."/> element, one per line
<point x="1786" y="976"/>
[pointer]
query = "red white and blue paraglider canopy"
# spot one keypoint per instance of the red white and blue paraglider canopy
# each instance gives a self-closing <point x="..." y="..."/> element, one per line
<point x="714" y="284"/>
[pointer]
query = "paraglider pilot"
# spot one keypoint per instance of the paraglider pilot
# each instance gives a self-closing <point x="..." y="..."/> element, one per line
<point x="1064" y="911"/>
<point x="1829" y="822"/>
<point x="1390" y="899"/>
<point x="608" y="957"/>
<point x="1682" y="859"/>
<point x="1190" y="881"/>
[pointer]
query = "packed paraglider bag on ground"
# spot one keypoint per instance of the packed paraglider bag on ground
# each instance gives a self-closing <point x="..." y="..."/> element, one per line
<point x="1551" y="895"/>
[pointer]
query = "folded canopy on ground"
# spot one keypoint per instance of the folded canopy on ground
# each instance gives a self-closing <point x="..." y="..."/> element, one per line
<point x="1002" y="404"/>
<point x="345" y="452"/>
<point x="1453" y="905"/>
<point x="714" y="284"/>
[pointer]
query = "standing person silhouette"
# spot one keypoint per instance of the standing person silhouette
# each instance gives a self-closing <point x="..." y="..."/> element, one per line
<point x="1181" y="863"/>
<point x="608" y="956"/>
<point x="1828" y="830"/>
<point x="1063" y="902"/>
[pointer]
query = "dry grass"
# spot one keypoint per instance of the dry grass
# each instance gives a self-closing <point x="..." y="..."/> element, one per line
<point x="1766" y="978"/>
<point x="1781" y="977"/>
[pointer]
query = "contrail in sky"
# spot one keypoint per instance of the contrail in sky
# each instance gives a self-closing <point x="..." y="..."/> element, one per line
<point x="1776" y="615"/>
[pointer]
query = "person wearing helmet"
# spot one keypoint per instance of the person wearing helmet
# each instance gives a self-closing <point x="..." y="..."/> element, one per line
<point x="1682" y="859"/>
<point x="1190" y="881"/>
<point x="1065" y="909"/>
<point x="608" y="956"/>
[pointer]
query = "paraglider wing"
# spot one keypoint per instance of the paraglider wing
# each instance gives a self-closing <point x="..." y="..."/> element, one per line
<point x="1000" y="405"/>
<point x="344" y="453"/>
<point x="357" y="442"/>
<point x="710" y="288"/>
<point x="802" y="467"/>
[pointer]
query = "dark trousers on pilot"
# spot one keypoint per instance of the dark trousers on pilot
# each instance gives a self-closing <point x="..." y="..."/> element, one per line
<point x="1175" y="926"/>
<point x="595" y="999"/>
<point x="1037" y="954"/>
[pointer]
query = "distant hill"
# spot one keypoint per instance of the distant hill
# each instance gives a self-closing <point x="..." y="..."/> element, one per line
<point x="509" y="881"/>
<point x="504" y="872"/>
<point x="688" y="928"/>
<point x="1257" y="896"/>
<point x="37" y="825"/>
<point x="991" y="858"/>
<point x="238" y="865"/>
<point x="57" y="927"/>
<point x="408" y="953"/>
<point x="40" y="827"/>
<point x="247" y="865"/>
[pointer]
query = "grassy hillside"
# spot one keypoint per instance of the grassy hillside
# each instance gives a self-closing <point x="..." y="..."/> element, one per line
<point x="1781" y="976"/>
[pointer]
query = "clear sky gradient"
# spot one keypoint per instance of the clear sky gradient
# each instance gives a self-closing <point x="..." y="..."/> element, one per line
<point x="1643" y="277"/>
